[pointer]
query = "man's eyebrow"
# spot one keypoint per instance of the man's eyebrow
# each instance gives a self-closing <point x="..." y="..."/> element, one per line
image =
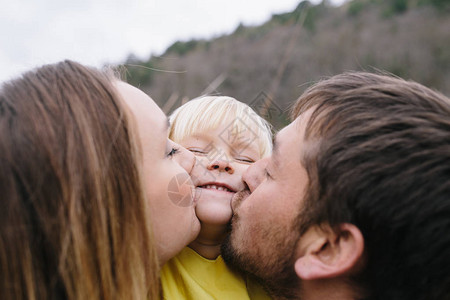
<point x="275" y="144"/>
<point x="275" y="150"/>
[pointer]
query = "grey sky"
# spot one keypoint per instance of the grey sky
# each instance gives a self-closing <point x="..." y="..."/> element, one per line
<point x="95" y="32"/>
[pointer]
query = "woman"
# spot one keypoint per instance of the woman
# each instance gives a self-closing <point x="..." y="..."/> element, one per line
<point x="85" y="165"/>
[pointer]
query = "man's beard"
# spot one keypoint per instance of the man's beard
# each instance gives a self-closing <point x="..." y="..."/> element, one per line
<point x="273" y="264"/>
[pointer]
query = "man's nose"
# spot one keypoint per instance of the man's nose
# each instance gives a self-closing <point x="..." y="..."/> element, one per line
<point x="255" y="174"/>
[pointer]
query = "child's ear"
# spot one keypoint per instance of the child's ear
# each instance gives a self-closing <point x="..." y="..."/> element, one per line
<point x="328" y="254"/>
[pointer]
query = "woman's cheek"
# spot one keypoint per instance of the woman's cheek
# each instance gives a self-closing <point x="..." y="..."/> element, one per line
<point x="181" y="190"/>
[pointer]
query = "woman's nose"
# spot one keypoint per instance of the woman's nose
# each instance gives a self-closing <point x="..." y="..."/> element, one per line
<point x="221" y="166"/>
<point x="185" y="158"/>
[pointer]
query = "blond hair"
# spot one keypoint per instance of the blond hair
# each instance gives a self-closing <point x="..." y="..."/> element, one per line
<point x="74" y="220"/>
<point x="209" y="112"/>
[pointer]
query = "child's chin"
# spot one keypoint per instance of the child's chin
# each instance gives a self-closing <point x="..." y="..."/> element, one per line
<point x="214" y="213"/>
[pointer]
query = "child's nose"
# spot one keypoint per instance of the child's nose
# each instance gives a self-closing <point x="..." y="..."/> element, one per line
<point x="221" y="166"/>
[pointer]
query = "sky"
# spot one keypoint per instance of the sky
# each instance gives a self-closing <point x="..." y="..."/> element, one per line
<point x="98" y="32"/>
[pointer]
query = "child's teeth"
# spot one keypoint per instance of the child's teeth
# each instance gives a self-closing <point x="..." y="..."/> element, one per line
<point x="215" y="187"/>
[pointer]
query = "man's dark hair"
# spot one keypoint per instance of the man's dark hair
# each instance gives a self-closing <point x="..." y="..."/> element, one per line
<point x="378" y="156"/>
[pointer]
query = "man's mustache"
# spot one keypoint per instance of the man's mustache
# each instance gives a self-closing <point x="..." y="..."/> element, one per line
<point x="238" y="198"/>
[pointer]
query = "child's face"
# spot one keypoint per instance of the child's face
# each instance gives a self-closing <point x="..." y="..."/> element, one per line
<point x="222" y="158"/>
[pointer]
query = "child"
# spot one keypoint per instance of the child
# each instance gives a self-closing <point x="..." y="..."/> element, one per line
<point x="226" y="136"/>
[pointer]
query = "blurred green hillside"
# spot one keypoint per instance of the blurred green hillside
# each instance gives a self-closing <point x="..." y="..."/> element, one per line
<point x="273" y="63"/>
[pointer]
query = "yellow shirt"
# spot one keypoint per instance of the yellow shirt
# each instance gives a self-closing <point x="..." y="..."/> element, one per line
<point x="191" y="276"/>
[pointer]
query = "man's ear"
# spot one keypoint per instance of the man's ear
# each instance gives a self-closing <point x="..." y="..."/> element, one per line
<point x="329" y="253"/>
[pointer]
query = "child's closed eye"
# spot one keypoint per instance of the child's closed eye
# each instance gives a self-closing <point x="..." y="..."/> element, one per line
<point x="198" y="151"/>
<point x="245" y="160"/>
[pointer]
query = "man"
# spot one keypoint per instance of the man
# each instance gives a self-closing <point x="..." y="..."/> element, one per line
<point x="354" y="202"/>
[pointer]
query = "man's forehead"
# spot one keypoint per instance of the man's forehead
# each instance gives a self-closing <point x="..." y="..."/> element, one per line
<point x="279" y="144"/>
<point x="287" y="133"/>
<point x="287" y="142"/>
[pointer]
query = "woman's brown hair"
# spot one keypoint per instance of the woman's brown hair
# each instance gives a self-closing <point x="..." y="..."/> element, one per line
<point x="73" y="219"/>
